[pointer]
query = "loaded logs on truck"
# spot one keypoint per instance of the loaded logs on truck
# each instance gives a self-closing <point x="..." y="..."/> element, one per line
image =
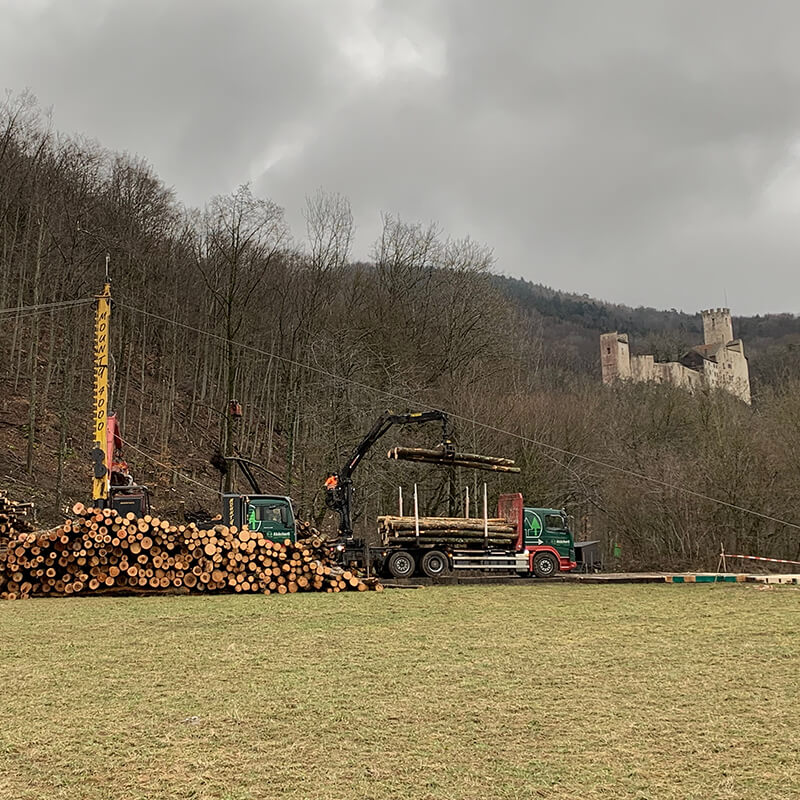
<point x="101" y="551"/>
<point x="453" y="530"/>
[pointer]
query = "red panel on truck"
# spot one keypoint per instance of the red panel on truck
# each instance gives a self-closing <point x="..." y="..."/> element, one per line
<point x="509" y="507"/>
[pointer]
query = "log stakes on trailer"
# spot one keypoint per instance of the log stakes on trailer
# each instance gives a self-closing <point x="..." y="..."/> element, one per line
<point x="416" y="512"/>
<point x="485" y="515"/>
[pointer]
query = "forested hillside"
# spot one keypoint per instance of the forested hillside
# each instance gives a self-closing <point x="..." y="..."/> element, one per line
<point x="226" y="302"/>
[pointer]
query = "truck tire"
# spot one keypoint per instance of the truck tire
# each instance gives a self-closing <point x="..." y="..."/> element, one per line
<point x="546" y="565"/>
<point x="401" y="564"/>
<point x="435" y="564"/>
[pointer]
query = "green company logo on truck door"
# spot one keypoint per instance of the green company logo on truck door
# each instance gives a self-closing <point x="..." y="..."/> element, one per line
<point x="272" y="517"/>
<point x="533" y="526"/>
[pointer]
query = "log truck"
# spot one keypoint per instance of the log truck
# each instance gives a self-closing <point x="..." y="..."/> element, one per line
<point x="540" y="542"/>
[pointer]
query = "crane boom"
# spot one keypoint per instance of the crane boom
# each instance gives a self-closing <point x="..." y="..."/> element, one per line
<point x="339" y="486"/>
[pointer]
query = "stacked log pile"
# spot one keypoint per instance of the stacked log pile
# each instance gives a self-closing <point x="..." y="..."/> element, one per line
<point x="101" y="551"/>
<point x="14" y="518"/>
<point x="463" y="531"/>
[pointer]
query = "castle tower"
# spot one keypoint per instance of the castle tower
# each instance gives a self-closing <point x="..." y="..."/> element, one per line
<point x="717" y="326"/>
<point x="615" y="357"/>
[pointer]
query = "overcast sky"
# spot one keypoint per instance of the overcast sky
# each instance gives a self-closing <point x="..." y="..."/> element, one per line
<point x="641" y="152"/>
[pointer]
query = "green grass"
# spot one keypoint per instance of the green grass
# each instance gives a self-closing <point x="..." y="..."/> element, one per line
<point x="453" y="692"/>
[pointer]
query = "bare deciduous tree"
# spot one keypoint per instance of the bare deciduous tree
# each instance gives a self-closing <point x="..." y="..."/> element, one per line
<point x="240" y="238"/>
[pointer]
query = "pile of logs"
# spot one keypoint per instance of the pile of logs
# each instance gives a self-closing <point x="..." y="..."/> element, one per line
<point x="101" y="551"/>
<point x="467" y="531"/>
<point x="14" y="519"/>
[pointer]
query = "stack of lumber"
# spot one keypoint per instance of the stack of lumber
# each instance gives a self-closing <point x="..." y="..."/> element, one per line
<point x="305" y="530"/>
<point x="440" y="456"/>
<point x="14" y="519"/>
<point x="101" y="551"/>
<point x="467" y="531"/>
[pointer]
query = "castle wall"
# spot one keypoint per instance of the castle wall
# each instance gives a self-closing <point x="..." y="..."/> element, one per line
<point x="646" y="368"/>
<point x="676" y="374"/>
<point x="643" y="368"/>
<point x="734" y="372"/>
<point x="712" y="375"/>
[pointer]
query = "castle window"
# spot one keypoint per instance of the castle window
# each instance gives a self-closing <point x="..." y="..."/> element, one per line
<point x="608" y="350"/>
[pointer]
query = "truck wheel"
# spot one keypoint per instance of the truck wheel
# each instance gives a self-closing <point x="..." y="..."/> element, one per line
<point x="545" y="565"/>
<point x="435" y="564"/>
<point x="401" y="564"/>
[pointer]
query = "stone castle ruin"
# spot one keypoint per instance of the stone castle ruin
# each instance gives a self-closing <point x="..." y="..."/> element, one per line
<point x="718" y="363"/>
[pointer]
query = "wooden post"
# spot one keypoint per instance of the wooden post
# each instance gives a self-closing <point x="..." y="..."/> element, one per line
<point x="400" y="498"/>
<point x="416" y="512"/>
<point x="466" y="502"/>
<point x="485" y="515"/>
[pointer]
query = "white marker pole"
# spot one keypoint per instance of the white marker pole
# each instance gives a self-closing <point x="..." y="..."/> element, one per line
<point x="416" y="511"/>
<point x="485" y="516"/>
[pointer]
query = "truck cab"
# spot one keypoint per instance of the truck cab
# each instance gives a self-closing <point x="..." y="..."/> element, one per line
<point x="271" y="515"/>
<point x="546" y="530"/>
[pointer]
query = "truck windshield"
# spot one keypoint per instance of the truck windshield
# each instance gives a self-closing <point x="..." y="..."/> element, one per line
<point x="270" y="512"/>
<point x="555" y="522"/>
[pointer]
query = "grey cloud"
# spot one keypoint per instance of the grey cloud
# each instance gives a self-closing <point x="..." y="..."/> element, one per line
<point x="639" y="151"/>
<point x="200" y="89"/>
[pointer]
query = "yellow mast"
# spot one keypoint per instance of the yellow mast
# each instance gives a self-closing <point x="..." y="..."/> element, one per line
<point x="102" y="330"/>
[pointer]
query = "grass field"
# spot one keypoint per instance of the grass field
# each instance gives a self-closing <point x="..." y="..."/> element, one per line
<point x="453" y="692"/>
